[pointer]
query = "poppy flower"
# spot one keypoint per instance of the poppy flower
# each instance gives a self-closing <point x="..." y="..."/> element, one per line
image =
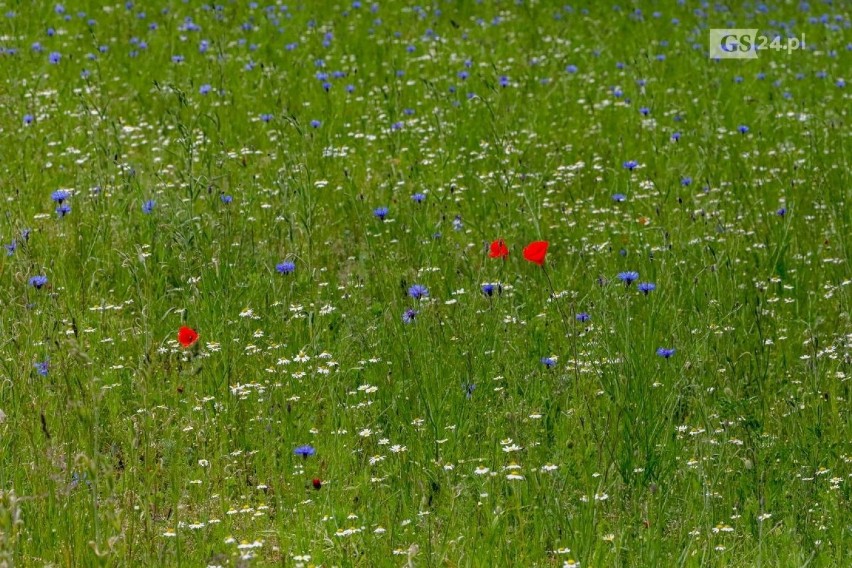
<point x="317" y="483"/>
<point x="499" y="249"/>
<point x="187" y="336"/>
<point x="536" y="251"/>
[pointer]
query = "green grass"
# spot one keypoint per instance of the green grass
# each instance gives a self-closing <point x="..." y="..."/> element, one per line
<point x="133" y="451"/>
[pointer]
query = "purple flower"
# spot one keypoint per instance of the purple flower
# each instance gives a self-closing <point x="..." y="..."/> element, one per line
<point x="286" y="267"/>
<point x="419" y="197"/>
<point x="54" y="57"/>
<point x="28" y="119"/>
<point x="205" y="89"/>
<point x="418" y="291"/>
<point x="148" y="206"/>
<point x="468" y="389"/>
<point x="583" y="317"/>
<point x="646" y="287"/>
<point x="628" y="277"/>
<point x="548" y="362"/>
<point x="619" y="197"/>
<point x="630" y="165"/>
<point x="781" y="212"/>
<point x="685" y="181"/>
<point x="60" y="195"/>
<point x="489" y="289"/>
<point x="42" y="367"/>
<point x="226" y="199"/>
<point x="63" y="210"/>
<point x="743" y="129"/>
<point x="665" y="353"/>
<point x="409" y="315"/>
<point x="675" y="136"/>
<point x="266" y="117"/>
<point x="380" y="212"/>
<point x="38" y="281"/>
<point x="316" y="124"/>
<point x="305" y="451"/>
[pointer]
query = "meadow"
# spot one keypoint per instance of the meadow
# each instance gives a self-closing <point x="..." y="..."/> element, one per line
<point x="275" y="291"/>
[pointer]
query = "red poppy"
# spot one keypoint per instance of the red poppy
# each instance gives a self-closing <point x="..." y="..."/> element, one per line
<point x="317" y="483"/>
<point x="187" y="336"/>
<point x="536" y="251"/>
<point x="499" y="249"/>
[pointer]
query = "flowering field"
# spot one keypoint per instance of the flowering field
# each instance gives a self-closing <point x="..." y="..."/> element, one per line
<point x="457" y="283"/>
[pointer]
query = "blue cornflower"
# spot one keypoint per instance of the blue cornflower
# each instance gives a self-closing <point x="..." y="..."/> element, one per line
<point x="781" y="212"/>
<point x="38" y="281"/>
<point x="457" y="223"/>
<point x="418" y="291"/>
<point x="265" y="117"/>
<point x="226" y="199"/>
<point x="571" y="69"/>
<point x="675" y="136"/>
<point x="646" y="287"/>
<point x="645" y="111"/>
<point x="628" y="277"/>
<point x="504" y="81"/>
<point x="60" y="195"/>
<point x="548" y="362"/>
<point x="488" y="289"/>
<point x="583" y="317"/>
<point x="63" y="210"/>
<point x="286" y="267"/>
<point x="177" y="58"/>
<point x="397" y="125"/>
<point x="409" y="315"/>
<point x="743" y="129"/>
<point x="42" y="367"/>
<point x="619" y="197"/>
<point x="205" y="89"/>
<point x="419" y="197"/>
<point x="11" y="247"/>
<point x="631" y="164"/>
<point x="665" y="353"/>
<point x="28" y="119"/>
<point x="316" y="124"/>
<point x="685" y="181"/>
<point x="305" y="451"/>
<point x="148" y="206"/>
<point x="380" y="212"/>
<point x="468" y="390"/>
<point x="55" y="57"/>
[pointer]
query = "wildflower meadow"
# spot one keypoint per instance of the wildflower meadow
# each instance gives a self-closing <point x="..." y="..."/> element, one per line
<point x="454" y="283"/>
